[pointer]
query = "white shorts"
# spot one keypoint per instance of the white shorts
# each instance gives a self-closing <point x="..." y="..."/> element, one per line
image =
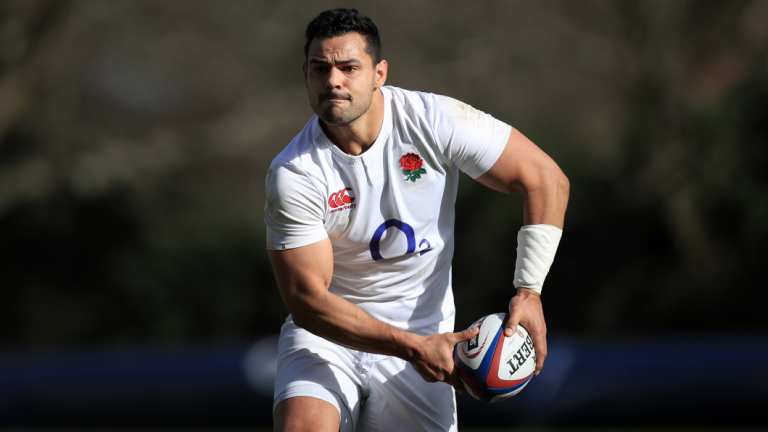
<point x="372" y="392"/>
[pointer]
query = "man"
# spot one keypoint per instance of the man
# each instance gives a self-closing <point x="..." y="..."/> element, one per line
<point x="359" y="215"/>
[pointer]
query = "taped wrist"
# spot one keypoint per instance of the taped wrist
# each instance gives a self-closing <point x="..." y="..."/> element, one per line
<point x="536" y="247"/>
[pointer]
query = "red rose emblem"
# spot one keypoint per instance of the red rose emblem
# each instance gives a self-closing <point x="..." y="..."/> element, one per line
<point x="411" y="163"/>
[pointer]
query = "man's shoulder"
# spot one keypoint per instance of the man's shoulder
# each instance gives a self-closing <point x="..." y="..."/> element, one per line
<point x="411" y="101"/>
<point x="299" y="150"/>
<point x="426" y="104"/>
<point x="291" y="173"/>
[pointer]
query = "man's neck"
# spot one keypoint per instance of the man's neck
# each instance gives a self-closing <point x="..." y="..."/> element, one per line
<point x="355" y="138"/>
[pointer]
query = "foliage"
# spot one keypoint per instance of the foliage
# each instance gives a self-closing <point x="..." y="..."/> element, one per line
<point x="134" y="137"/>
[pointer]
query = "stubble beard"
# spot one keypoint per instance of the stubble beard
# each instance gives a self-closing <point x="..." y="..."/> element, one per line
<point x="337" y="116"/>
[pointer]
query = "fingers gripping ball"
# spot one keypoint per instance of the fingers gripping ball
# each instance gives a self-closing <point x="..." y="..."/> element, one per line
<point x="492" y="366"/>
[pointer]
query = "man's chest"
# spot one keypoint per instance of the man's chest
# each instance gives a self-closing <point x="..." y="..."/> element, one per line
<point x="388" y="204"/>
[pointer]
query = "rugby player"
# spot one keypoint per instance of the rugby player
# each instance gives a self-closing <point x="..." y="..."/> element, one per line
<point x="360" y="217"/>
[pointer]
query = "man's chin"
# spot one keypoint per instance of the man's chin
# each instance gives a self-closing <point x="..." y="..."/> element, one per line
<point x="335" y="119"/>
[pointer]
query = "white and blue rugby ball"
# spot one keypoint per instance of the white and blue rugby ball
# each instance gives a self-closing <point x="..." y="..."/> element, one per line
<point x="493" y="366"/>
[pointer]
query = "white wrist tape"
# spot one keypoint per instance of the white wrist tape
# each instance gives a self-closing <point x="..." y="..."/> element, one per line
<point x="536" y="247"/>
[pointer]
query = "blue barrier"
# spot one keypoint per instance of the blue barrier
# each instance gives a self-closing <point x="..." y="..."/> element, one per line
<point x="694" y="381"/>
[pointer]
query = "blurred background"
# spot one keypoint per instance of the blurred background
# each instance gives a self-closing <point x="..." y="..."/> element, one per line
<point x="134" y="139"/>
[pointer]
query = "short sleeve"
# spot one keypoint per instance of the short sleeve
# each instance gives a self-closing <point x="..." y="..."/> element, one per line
<point x="470" y="138"/>
<point x="293" y="210"/>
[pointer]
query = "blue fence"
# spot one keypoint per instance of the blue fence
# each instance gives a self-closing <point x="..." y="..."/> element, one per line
<point x="712" y="381"/>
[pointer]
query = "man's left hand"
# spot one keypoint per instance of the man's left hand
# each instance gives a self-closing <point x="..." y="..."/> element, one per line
<point x="525" y="308"/>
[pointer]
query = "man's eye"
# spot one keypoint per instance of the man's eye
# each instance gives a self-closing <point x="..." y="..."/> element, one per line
<point x="349" y="68"/>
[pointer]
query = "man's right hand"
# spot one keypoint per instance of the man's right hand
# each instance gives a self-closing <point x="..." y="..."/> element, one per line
<point x="434" y="358"/>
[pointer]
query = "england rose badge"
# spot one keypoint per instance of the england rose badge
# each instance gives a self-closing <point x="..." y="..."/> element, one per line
<point x="412" y="166"/>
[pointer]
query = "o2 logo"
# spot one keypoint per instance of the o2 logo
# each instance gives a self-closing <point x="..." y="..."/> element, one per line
<point x="410" y="237"/>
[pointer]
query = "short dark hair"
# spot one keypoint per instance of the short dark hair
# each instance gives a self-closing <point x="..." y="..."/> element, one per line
<point x="336" y="22"/>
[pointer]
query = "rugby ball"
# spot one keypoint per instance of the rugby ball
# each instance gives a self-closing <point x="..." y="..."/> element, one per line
<point x="493" y="366"/>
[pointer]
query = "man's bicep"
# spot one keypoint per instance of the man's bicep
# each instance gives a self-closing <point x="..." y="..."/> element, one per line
<point x="302" y="272"/>
<point x="520" y="163"/>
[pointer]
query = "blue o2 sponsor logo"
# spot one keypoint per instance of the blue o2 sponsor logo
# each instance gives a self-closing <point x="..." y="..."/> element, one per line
<point x="404" y="229"/>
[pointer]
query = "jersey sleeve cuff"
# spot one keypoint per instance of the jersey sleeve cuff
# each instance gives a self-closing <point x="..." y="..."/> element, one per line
<point x="493" y="153"/>
<point x="281" y="243"/>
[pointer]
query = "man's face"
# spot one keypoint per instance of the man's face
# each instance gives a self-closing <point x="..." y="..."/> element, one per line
<point x="341" y="78"/>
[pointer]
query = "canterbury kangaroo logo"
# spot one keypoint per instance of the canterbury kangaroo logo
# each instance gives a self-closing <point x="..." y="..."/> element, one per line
<point x="341" y="198"/>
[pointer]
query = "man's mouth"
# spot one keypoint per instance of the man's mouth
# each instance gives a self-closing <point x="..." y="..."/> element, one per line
<point x="336" y="98"/>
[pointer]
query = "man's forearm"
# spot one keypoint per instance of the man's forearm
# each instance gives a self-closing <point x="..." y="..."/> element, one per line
<point x="303" y="276"/>
<point x="546" y="199"/>
<point x="332" y="317"/>
<point x="524" y="167"/>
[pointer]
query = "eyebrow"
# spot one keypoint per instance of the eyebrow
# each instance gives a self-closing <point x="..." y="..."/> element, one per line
<point x="339" y="62"/>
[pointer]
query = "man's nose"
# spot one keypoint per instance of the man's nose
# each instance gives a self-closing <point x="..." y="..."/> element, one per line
<point x="335" y="78"/>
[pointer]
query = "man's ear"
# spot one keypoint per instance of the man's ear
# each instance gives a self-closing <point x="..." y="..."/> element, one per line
<point x="382" y="68"/>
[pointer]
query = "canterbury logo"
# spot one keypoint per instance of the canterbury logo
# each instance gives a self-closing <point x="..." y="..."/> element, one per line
<point x="341" y="198"/>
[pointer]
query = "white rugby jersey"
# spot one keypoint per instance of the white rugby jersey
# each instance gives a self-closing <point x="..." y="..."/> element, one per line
<point x="388" y="212"/>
